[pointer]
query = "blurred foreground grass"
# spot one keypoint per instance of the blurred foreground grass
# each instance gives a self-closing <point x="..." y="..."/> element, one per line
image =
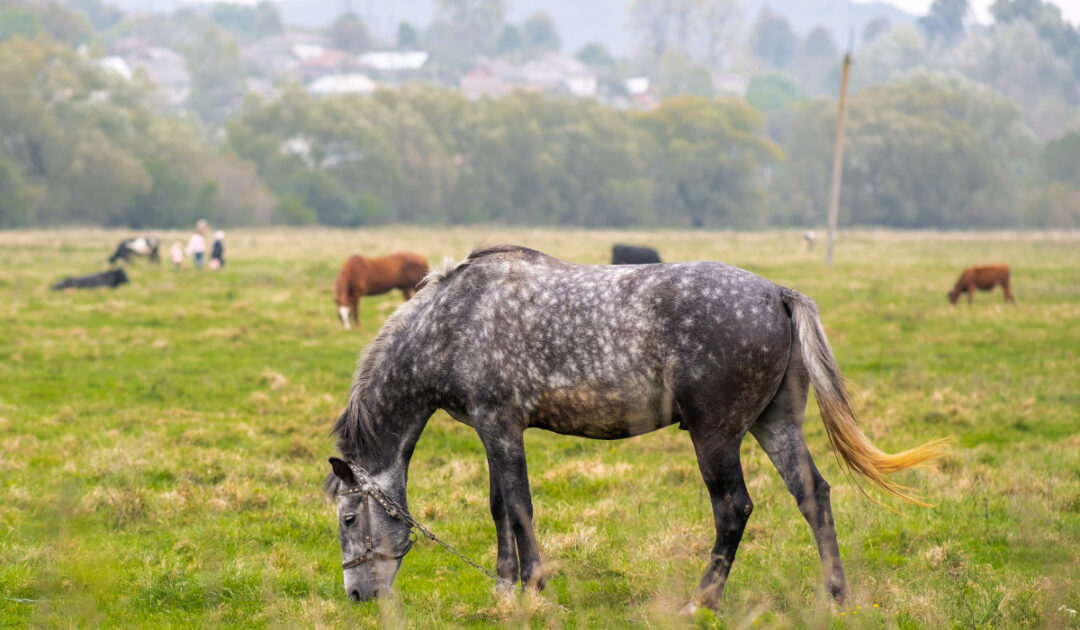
<point x="162" y="445"/>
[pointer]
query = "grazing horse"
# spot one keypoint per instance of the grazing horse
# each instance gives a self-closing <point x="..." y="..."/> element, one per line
<point x="361" y="276"/>
<point x="111" y="278"/>
<point x="511" y="338"/>
<point x="983" y="278"/>
<point x="141" y="246"/>
<point x="633" y="255"/>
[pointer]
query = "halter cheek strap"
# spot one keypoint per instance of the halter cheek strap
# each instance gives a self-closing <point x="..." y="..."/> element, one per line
<point x="370" y="490"/>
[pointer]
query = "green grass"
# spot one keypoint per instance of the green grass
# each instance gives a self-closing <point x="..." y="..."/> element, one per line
<point x="162" y="446"/>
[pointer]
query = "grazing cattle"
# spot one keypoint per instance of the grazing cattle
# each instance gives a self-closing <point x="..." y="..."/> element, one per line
<point x="633" y="255"/>
<point x="111" y="278"/>
<point x="141" y="246"/>
<point x="512" y="339"/>
<point x="983" y="278"/>
<point x="361" y="276"/>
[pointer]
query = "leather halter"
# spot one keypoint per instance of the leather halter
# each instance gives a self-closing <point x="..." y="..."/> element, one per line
<point x="371" y="490"/>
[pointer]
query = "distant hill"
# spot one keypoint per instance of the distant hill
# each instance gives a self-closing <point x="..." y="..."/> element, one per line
<point x="578" y="21"/>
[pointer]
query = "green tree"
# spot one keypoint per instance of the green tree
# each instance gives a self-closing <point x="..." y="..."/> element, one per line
<point x="407" y="36"/>
<point x="772" y="91"/>
<point x="101" y="16"/>
<point x="474" y="23"/>
<point x="1046" y="19"/>
<point x="510" y="41"/>
<point x="596" y="54"/>
<point x="772" y="40"/>
<point x="1016" y="62"/>
<point x="1060" y="160"/>
<point x="819" y="44"/>
<point x="350" y="33"/>
<point x="21" y="22"/>
<point x="944" y="23"/>
<point x="874" y="28"/>
<point x="16" y="206"/>
<point x="539" y="33"/>
<point x="712" y="157"/>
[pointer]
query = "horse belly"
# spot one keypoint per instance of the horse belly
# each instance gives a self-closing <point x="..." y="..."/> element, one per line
<point x="602" y="414"/>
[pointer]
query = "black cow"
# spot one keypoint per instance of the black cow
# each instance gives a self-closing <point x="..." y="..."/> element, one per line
<point x="111" y="278"/>
<point x="633" y="255"/>
<point x="141" y="246"/>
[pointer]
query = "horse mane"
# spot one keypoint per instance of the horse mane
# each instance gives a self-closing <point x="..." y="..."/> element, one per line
<point x="355" y="427"/>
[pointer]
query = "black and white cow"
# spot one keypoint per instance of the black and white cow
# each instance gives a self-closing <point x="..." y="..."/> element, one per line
<point x="633" y="255"/>
<point x="111" y="278"/>
<point x="140" y="246"/>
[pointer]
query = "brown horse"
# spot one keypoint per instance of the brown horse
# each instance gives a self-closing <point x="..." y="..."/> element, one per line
<point x="361" y="276"/>
<point x="983" y="278"/>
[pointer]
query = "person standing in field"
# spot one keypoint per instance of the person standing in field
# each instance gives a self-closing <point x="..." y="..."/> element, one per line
<point x="176" y="254"/>
<point x="196" y="246"/>
<point x="217" y="254"/>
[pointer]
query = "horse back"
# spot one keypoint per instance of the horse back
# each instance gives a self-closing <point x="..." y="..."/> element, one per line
<point x="605" y="352"/>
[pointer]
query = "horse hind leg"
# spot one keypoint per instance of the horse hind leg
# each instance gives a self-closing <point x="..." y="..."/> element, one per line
<point x="779" y="432"/>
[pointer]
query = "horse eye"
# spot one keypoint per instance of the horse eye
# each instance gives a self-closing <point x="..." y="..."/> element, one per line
<point x="349" y="520"/>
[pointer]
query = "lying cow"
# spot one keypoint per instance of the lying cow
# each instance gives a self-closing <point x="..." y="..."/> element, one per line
<point x="984" y="278"/>
<point x="633" y="255"/>
<point x="141" y="246"/>
<point x="111" y="278"/>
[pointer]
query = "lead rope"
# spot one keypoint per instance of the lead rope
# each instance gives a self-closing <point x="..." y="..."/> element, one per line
<point x="368" y="487"/>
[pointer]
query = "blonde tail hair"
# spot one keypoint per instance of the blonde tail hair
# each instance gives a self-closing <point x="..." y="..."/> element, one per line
<point x="855" y="449"/>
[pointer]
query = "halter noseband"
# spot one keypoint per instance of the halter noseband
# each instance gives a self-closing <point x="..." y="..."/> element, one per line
<point x="371" y="490"/>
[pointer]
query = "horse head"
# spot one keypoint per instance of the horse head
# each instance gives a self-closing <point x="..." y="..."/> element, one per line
<point x="372" y="526"/>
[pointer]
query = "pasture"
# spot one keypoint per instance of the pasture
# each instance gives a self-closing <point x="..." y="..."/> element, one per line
<point x="162" y="447"/>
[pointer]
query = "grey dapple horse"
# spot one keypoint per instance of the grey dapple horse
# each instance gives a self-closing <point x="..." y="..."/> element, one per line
<point x="511" y="338"/>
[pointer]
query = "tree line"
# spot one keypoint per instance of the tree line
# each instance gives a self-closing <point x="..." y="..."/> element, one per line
<point x="949" y="146"/>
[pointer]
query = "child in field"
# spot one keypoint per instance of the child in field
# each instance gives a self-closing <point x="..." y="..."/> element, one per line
<point x="176" y="254"/>
<point x="217" y="254"/>
<point x="197" y="244"/>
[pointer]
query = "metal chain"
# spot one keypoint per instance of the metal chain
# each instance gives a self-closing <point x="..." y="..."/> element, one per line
<point x="370" y="488"/>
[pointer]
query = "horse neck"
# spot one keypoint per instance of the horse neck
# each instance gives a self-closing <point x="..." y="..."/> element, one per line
<point x="398" y="418"/>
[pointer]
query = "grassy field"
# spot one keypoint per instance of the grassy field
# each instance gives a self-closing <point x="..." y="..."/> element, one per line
<point x="162" y="446"/>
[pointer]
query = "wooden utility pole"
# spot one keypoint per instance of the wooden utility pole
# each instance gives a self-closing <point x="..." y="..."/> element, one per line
<point x="838" y="162"/>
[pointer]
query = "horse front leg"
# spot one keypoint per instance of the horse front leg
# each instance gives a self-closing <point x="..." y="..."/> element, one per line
<point x="722" y="471"/>
<point x="506" y="563"/>
<point x="505" y="446"/>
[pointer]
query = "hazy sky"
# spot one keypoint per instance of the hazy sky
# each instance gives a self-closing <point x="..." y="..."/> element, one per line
<point x="1069" y="8"/>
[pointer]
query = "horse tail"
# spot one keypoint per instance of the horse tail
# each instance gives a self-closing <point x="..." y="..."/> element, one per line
<point x="855" y="449"/>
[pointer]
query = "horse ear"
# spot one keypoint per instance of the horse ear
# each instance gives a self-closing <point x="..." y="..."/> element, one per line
<point x="342" y="470"/>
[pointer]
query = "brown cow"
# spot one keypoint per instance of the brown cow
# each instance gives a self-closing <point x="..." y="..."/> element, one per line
<point x="361" y="276"/>
<point x="984" y="278"/>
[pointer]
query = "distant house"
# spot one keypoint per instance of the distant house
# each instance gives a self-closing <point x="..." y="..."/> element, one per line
<point x="483" y="83"/>
<point x="640" y="91"/>
<point x="164" y="67"/>
<point x="116" y="65"/>
<point x="325" y="63"/>
<point x="393" y="60"/>
<point x="552" y="73"/>
<point x="333" y="84"/>
<point x="280" y="57"/>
